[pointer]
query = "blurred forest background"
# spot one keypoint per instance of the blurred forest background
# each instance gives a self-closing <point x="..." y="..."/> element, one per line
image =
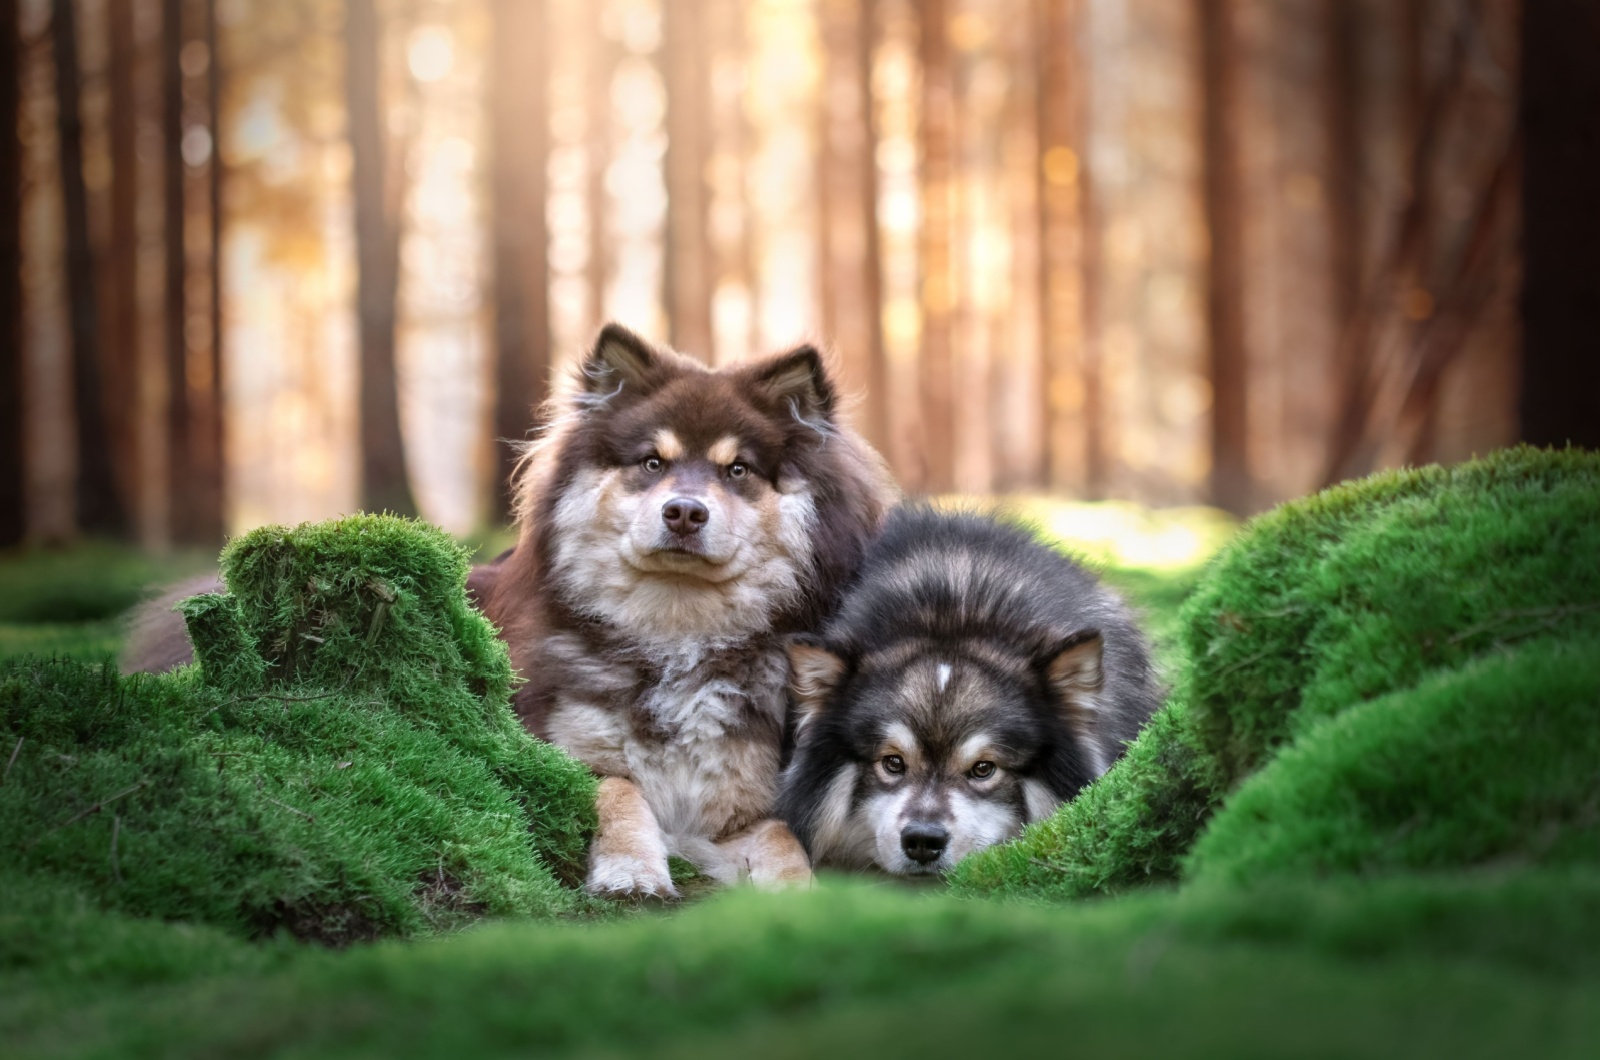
<point x="270" y="261"/>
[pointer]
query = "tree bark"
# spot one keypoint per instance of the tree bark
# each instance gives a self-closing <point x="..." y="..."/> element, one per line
<point x="938" y="295"/>
<point x="13" y="522"/>
<point x="1230" y="485"/>
<point x="99" y="507"/>
<point x="1560" y="399"/>
<point x="520" y="124"/>
<point x="384" y="484"/>
<point x="686" y="72"/>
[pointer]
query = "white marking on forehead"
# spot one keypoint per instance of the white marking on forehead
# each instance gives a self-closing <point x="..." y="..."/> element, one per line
<point x="724" y="450"/>
<point x="668" y="445"/>
<point x="943" y="676"/>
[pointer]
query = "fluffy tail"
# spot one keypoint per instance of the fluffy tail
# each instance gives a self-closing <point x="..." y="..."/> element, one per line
<point x="157" y="640"/>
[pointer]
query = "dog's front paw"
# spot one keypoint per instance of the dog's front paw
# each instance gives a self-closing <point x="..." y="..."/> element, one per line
<point x="630" y="878"/>
<point x="781" y="877"/>
<point x="773" y="858"/>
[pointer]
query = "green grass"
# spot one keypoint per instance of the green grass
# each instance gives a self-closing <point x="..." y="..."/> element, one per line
<point x="1368" y="824"/>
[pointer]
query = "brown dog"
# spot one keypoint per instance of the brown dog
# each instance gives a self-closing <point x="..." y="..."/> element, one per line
<point x="675" y="524"/>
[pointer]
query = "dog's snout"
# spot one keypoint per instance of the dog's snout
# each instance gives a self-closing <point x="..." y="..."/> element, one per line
<point x="924" y="841"/>
<point x="685" y="515"/>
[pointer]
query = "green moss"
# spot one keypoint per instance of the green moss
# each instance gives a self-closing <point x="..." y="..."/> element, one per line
<point x="342" y="764"/>
<point x="1497" y="762"/>
<point x="1364" y="588"/>
<point x="1421" y="966"/>
<point x="1128" y="830"/>
<point x="1317" y="607"/>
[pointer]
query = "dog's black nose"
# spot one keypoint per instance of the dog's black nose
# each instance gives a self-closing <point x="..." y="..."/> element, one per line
<point x="684" y="515"/>
<point x="923" y="841"/>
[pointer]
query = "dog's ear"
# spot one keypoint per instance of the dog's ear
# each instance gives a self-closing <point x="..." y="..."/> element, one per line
<point x="814" y="674"/>
<point x="799" y="380"/>
<point x="619" y="359"/>
<point x="1074" y="673"/>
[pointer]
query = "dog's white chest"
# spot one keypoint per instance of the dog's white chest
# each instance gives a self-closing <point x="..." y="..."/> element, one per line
<point x="699" y="739"/>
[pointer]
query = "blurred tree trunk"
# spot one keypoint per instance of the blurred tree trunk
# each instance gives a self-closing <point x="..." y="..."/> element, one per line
<point x="12" y="473"/>
<point x="603" y="58"/>
<point x="851" y="281"/>
<point x="1071" y="391"/>
<point x="213" y="465"/>
<point x="935" y="252"/>
<point x="384" y="485"/>
<point x="730" y="221"/>
<point x="519" y="137"/>
<point x="1560" y="399"/>
<point x="99" y="508"/>
<point x="1342" y="32"/>
<point x="180" y="464"/>
<point x="120" y="320"/>
<point x="1367" y="390"/>
<point x="687" y="74"/>
<point x="1230" y="472"/>
<point x="193" y="351"/>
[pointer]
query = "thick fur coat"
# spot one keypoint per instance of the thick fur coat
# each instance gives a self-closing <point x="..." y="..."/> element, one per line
<point x="972" y="680"/>
<point x="675" y="524"/>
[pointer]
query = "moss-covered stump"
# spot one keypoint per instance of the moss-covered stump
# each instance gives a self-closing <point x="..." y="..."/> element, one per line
<point x="1360" y="592"/>
<point x="342" y="764"/>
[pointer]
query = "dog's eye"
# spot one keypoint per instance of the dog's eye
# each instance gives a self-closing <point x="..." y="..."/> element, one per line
<point x="652" y="464"/>
<point x="894" y="764"/>
<point x="738" y="470"/>
<point x="981" y="770"/>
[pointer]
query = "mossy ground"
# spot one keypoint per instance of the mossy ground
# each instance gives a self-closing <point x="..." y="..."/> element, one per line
<point x="1370" y="826"/>
<point x="341" y="765"/>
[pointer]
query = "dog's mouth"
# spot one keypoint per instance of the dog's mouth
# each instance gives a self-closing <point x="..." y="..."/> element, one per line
<point x="682" y="559"/>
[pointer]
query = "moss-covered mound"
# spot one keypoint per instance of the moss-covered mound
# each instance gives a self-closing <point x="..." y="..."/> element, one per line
<point x="1494" y="764"/>
<point x="1360" y="592"/>
<point x="342" y="763"/>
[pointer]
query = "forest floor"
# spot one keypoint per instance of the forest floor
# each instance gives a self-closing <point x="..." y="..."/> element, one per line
<point x="1503" y="959"/>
